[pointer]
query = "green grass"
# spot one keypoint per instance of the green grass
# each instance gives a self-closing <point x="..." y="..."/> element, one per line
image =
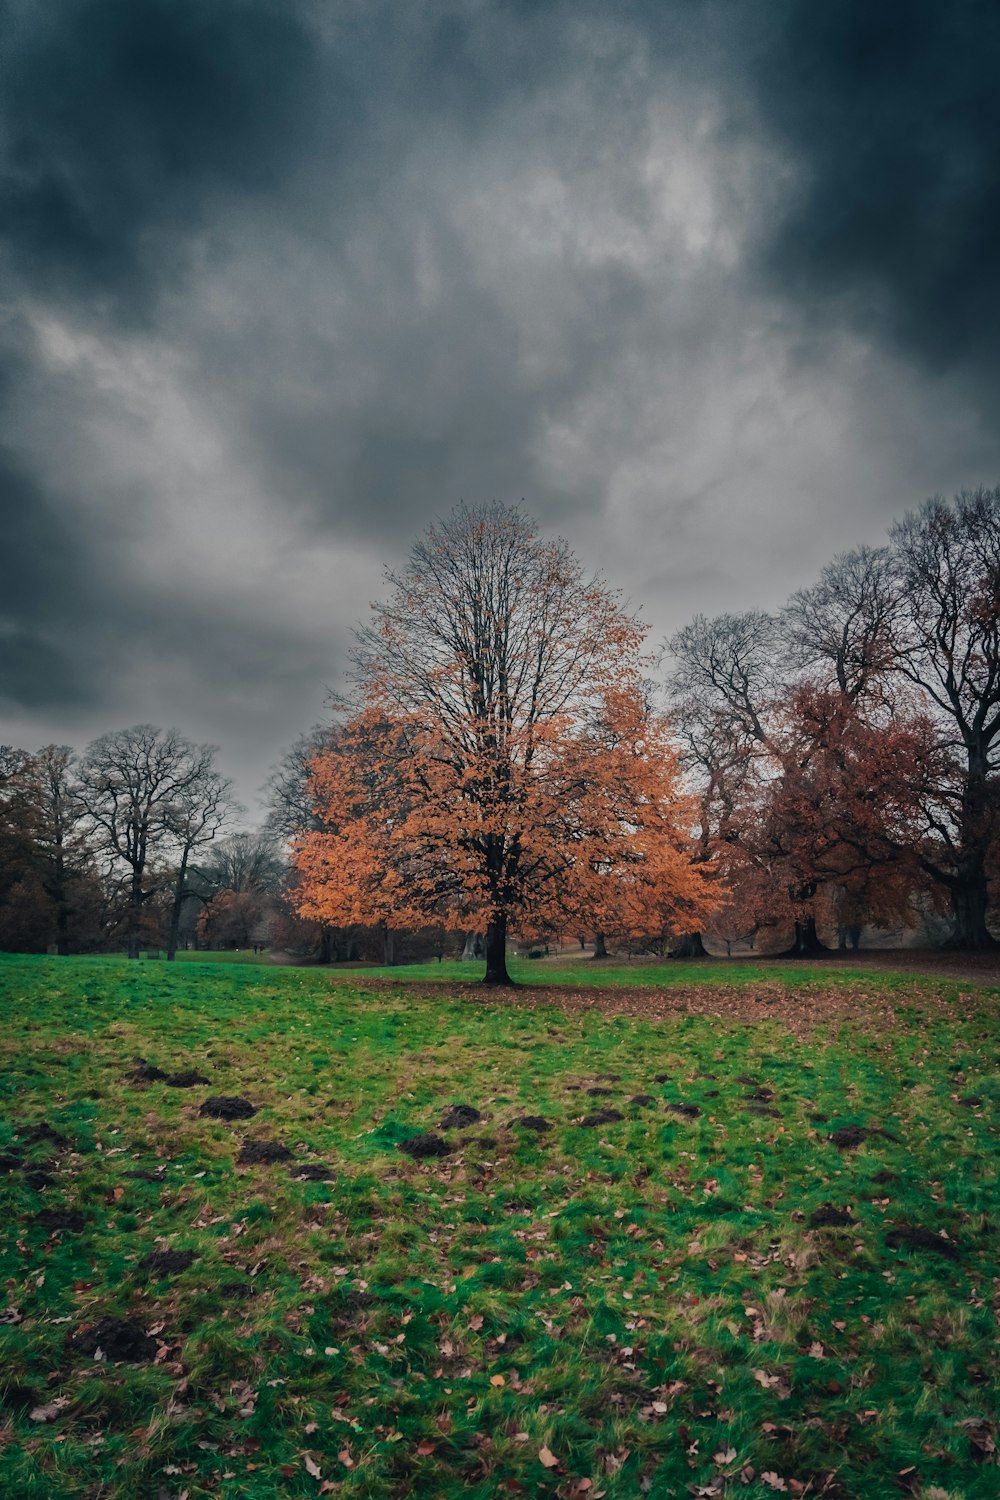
<point x="668" y="974"/>
<point x="644" y="1302"/>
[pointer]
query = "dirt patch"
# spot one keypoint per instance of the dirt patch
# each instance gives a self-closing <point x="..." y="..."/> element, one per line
<point x="166" y="1262"/>
<point x="764" y="1109"/>
<point x="143" y="1174"/>
<point x="689" y="1111"/>
<point x="601" y="1093"/>
<point x="972" y="1100"/>
<point x="460" y="1117"/>
<point x="119" y="1340"/>
<point x="10" y="1161"/>
<point x="185" y="1080"/>
<point x="534" y="1122"/>
<point x="420" y="1146"/>
<point x="145" y="1073"/>
<point x="762" y="1096"/>
<point x="235" y="1291"/>
<point x="37" y="1135"/>
<point x="602" y="1117"/>
<point x="913" y="1237"/>
<point x="642" y="1101"/>
<point x="746" y="1081"/>
<point x="262" y="1153"/>
<point x="61" y="1218"/>
<point x="314" y="1172"/>
<point x="38" y="1178"/>
<point x="829" y="1217"/>
<point x="227" y="1107"/>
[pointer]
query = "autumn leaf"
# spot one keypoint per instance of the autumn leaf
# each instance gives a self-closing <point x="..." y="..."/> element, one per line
<point x="547" y="1458"/>
<point x="50" y="1410"/>
<point x="312" y="1467"/>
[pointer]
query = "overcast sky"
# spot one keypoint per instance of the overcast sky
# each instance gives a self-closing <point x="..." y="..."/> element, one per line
<point x="713" y="288"/>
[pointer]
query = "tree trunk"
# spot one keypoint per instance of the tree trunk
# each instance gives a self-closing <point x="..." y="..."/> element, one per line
<point x="388" y="947"/>
<point x="134" y="914"/>
<point x="496" y="951"/>
<point x="970" y="933"/>
<point x="600" y="950"/>
<point x="175" y="910"/>
<point x="805" y="943"/>
<point x="689" y="945"/>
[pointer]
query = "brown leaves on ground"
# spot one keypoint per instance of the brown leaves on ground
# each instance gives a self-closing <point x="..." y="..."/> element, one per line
<point x="801" y="1008"/>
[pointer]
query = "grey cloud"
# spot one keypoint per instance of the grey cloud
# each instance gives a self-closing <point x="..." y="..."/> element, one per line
<point x="709" y="286"/>
<point x="891" y="115"/>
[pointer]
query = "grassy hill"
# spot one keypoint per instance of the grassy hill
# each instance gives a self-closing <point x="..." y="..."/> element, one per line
<point x="734" y="1235"/>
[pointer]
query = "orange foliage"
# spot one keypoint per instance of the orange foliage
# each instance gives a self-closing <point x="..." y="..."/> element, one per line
<point x="502" y="762"/>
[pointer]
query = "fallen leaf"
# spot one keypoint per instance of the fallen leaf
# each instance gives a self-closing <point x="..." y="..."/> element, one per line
<point x="497" y="1380"/>
<point x="50" y="1410"/>
<point x="548" y="1458"/>
<point x="312" y="1467"/>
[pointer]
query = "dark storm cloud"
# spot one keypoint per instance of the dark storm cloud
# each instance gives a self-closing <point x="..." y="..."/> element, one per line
<point x="282" y="281"/>
<point x="892" y="113"/>
<point x="124" y="122"/>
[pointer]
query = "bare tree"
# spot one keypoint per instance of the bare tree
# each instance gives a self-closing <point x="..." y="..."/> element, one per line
<point x="946" y="563"/>
<point x="840" y="629"/>
<point x="722" y="687"/>
<point x="196" y="816"/>
<point x="246" y="862"/>
<point x="63" y="851"/>
<point x="291" y="810"/>
<point x="133" y="786"/>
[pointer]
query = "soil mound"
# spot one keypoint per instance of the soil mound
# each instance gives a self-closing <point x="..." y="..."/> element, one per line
<point x="263" y="1153"/>
<point x="913" y="1237"/>
<point x="166" y="1262"/>
<point x="829" y="1217"/>
<point x="61" y="1218"/>
<point x="602" y="1117"/>
<point x="419" y="1146"/>
<point x="460" y="1117"/>
<point x="120" y="1340"/>
<point x="227" y="1107"/>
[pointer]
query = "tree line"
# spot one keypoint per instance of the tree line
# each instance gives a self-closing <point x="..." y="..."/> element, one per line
<point x="127" y="846"/>
<point x="512" y="758"/>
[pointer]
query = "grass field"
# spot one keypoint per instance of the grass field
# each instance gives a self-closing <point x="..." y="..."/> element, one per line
<point x="699" y="1293"/>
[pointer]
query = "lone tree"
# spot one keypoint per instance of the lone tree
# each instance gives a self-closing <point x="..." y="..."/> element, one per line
<point x="149" y="796"/>
<point x="499" y="762"/>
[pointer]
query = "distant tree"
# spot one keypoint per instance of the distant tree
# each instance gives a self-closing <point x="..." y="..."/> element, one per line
<point x="839" y="631"/>
<point x="500" y="763"/>
<point x="136" y="787"/>
<point x="246" y="862"/>
<point x="196" y="816"/>
<point x="291" y="808"/>
<point x="18" y="819"/>
<point x="946" y="624"/>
